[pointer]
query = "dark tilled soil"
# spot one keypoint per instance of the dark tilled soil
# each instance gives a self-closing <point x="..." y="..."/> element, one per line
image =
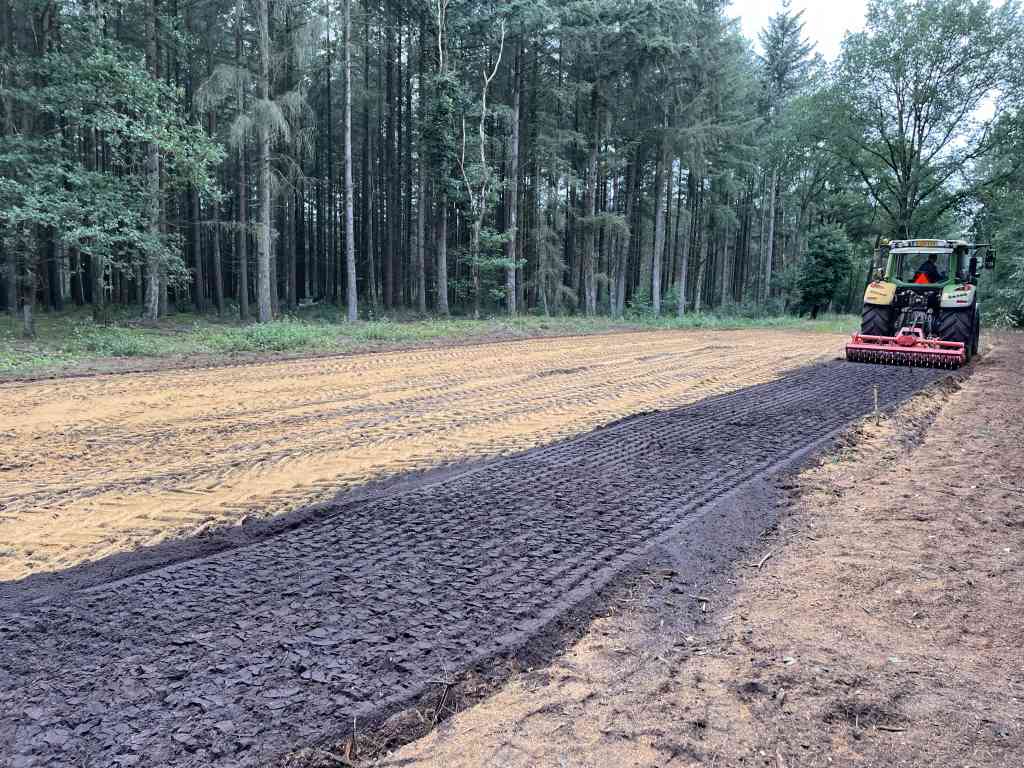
<point x="239" y="656"/>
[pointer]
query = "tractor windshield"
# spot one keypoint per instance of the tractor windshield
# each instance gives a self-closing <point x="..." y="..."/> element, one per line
<point x="916" y="265"/>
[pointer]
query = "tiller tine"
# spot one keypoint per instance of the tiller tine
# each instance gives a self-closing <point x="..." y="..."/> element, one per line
<point x="908" y="348"/>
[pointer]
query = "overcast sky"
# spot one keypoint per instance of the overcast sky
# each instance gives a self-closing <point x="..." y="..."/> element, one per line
<point x="826" y="21"/>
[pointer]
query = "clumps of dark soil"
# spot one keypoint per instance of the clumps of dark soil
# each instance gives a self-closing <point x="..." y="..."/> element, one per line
<point x="876" y="634"/>
<point x="864" y="711"/>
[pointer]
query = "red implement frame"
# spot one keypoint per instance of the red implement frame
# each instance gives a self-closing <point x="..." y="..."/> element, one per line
<point x="908" y="347"/>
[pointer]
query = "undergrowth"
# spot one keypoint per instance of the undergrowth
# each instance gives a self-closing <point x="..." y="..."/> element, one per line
<point x="73" y="338"/>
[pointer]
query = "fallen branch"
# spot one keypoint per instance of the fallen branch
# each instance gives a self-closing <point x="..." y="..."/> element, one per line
<point x="439" y="709"/>
<point x="764" y="560"/>
<point x="891" y="728"/>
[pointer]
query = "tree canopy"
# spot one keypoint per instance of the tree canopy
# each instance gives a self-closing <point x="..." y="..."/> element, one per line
<point x="440" y="156"/>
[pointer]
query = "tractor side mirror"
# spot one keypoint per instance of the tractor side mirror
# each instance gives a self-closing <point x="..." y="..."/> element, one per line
<point x="990" y="260"/>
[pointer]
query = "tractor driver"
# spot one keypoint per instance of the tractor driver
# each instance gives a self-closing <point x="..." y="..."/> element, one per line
<point x="929" y="271"/>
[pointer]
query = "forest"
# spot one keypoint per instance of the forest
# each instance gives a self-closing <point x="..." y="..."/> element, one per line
<point x="457" y="157"/>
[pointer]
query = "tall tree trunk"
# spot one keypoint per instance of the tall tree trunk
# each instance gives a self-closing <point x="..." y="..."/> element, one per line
<point x="684" y="261"/>
<point x="397" y="177"/>
<point x="421" y="234"/>
<point x="75" y="265"/>
<point x="769" y="253"/>
<point x="291" y="267"/>
<point x="727" y="266"/>
<point x="441" y="244"/>
<point x="369" y="226"/>
<point x="513" y="191"/>
<point x="301" y="242"/>
<point x="351" y="300"/>
<point x="474" y="250"/>
<point x="98" y="282"/>
<point x="197" y="251"/>
<point x="243" y="237"/>
<point x="661" y="176"/>
<point x="330" y="231"/>
<point x="152" y="165"/>
<point x="12" y="280"/>
<point x="589" y="282"/>
<point x="54" y="277"/>
<point x="368" y="208"/>
<point x="626" y="241"/>
<point x="702" y="264"/>
<point x="242" y="234"/>
<point x="263" y="276"/>
<point x="387" y="170"/>
<point x="672" y="233"/>
<point x="410" y="276"/>
<point x="218" y="269"/>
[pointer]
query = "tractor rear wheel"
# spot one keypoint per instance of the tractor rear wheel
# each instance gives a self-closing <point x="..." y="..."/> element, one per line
<point x="876" y="321"/>
<point x="977" y="330"/>
<point x="959" y="325"/>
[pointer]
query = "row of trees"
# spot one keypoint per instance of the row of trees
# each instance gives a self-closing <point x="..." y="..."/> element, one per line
<point x="456" y="155"/>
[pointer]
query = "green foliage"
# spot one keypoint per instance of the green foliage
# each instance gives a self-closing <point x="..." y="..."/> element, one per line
<point x="283" y="335"/>
<point x="917" y="128"/>
<point x="1001" y="220"/>
<point x="916" y="142"/>
<point x="93" y="86"/>
<point x="825" y="266"/>
<point x="102" y="341"/>
<point x="787" y="59"/>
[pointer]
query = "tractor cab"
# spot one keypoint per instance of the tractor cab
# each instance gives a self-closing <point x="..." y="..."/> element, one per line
<point x="911" y="263"/>
<point x="924" y="262"/>
<point x="923" y="267"/>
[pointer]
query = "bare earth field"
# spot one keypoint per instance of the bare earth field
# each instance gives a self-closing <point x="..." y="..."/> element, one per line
<point x="880" y="623"/>
<point x="104" y="464"/>
<point x="239" y="656"/>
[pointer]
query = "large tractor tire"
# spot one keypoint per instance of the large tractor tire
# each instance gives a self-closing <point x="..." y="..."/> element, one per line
<point x="960" y="325"/>
<point x="876" y="321"/>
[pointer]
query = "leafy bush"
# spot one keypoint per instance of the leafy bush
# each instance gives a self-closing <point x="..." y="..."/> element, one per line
<point x="279" y="336"/>
<point x="111" y="341"/>
<point x="827" y="261"/>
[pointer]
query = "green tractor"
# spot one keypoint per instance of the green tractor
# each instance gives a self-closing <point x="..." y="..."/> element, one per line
<point x="921" y="308"/>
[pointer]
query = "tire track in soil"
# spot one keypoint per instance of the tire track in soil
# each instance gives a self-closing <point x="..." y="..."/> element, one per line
<point x="231" y="659"/>
<point x="94" y="466"/>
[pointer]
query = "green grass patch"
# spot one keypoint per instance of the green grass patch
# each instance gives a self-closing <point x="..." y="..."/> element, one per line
<point x="285" y="335"/>
<point x="72" y="339"/>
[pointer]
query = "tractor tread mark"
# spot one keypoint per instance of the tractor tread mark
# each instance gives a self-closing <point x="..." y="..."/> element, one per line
<point x="235" y="658"/>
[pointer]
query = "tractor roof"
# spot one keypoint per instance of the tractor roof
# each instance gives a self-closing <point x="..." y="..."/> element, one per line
<point x="921" y="245"/>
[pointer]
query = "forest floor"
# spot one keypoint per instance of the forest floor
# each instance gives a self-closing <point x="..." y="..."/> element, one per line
<point x="71" y="343"/>
<point x="878" y="623"/>
<point x="95" y="465"/>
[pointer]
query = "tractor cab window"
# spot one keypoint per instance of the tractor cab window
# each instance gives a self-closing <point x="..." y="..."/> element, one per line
<point x="918" y="267"/>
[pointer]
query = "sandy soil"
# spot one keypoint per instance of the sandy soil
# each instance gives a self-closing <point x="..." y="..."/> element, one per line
<point x="98" y="465"/>
<point x="881" y="623"/>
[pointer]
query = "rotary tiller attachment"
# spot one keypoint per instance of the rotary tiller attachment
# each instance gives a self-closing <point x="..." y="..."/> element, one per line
<point x="909" y="347"/>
